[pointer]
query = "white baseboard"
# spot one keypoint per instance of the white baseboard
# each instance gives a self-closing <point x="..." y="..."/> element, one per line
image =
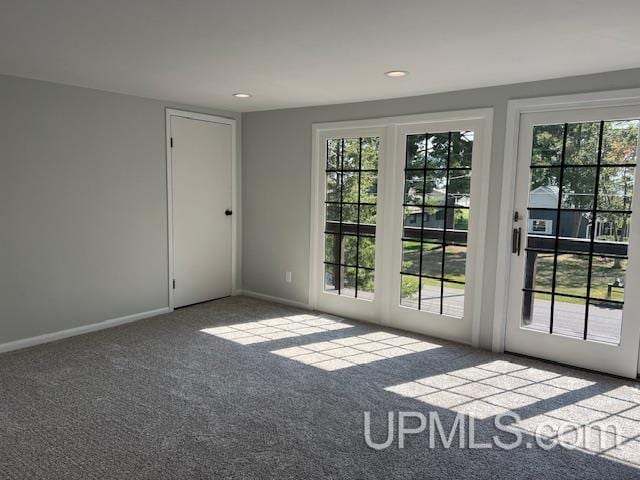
<point x="72" y="332"/>
<point x="270" y="298"/>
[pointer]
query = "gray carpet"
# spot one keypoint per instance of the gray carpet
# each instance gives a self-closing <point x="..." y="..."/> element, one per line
<point x="161" y="398"/>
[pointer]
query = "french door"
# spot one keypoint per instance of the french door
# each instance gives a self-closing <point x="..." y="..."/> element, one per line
<point x="574" y="262"/>
<point x="438" y="221"/>
<point x="399" y="210"/>
<point x="349" y="215"/>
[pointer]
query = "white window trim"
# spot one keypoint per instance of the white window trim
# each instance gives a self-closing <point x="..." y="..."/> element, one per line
<point x="515" y="109"/>
<point x="385" y="266"/>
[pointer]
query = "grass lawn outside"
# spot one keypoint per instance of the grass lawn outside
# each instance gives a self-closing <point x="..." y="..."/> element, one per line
<point x="571" y="272"/>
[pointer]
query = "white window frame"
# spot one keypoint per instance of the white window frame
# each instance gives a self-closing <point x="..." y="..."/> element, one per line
<point x="390" y="169"/>
<point x="515" y="109"/>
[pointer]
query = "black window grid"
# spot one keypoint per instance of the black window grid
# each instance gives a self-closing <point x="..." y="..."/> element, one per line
<point x="437" y="236"/>
<point x="595" y="248"/>
<point x="346" y="228"/>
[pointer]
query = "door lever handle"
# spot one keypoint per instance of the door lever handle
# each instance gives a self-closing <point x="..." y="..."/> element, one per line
<point x="228" y="212"/>
<point x="516" y="240"/>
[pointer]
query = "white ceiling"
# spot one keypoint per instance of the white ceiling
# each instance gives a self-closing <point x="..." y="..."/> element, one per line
<point x="291" y="53"/>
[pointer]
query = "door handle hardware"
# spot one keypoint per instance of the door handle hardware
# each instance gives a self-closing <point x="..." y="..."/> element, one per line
<point x="516" y="240"/>
<point x="228" y="212"/>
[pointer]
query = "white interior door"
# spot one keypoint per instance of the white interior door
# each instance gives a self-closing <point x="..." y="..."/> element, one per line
<point x="575" y="259"/>
<point x="201" y="165"/>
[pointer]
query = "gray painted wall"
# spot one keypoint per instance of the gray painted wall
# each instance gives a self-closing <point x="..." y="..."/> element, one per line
<point x="83" y="235"/>
<point x="277" y="176"/>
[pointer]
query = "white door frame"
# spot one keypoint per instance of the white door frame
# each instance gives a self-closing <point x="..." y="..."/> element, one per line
<point x="515" y="109"/>
<point x="235" y="197"/>
<point x="388" y="174"/>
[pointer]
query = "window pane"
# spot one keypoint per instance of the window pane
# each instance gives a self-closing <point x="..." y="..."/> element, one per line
<point x="568" y="316"/>
<point x="620" y="143"/>
<point x="432" y="259"/>
<point x="409" y="291"/>
<point x="368" y="187"/>
<point x="413" y="188"/>
<point x="443" y="184"/>
<point x="333" y="212"/>
<point x="616" y="188"/>
<point x="416" y="146"/>
<point x="331" y="274"/>
<point x="348" y="280"/>
<point x="539" y="271"/>
<point x="541" y="222"/>
<point x="437" y="150"/>
<point x="608" y="278"/>
<point x="582" y="143"/>
<point x="349" y="213"/>
<point x="455" y="259"/>
<point x="460" y="219"/>
<point x="430" y="295"/>
<point x="351" y="154"/>
<point x="575" y="225"/>
<point x="370" y="148"/>
<point x="459" y="187"/>
<point x="411" y="257"/>
<point x="333" y="154"/>
<point x="613" y="227"/>
<point x="350" y="227"/>
<point x="461" y="149"/>
<point x="367" y="252"/>
<point x="578" y="187"/>
<point x="453" y="300"/>
<point x="545" y="183"/>
<point x="350" y="187"/>
<point x="333" y="187"/>
<point x="536" y="311"/>
<point x="605" y="322"/>
<point x="331" y="248"/>
<point x="434" y="219"/>
<point x="435" y="187"/>
<point x="367" y="214"/>
<point x="547" y="144"/>
<point x="572" y="272"/>
<point x="365" y="284"/>
<point x="349" y="245"/>
<point x="412" y="217"/>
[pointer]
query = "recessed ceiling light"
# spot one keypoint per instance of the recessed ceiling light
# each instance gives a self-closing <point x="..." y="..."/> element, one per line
<point x="241" y="95"/>
<point x="396" y="73"/>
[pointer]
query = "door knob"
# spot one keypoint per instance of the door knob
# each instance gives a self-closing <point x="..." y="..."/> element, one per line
<point x="228" y="212"/>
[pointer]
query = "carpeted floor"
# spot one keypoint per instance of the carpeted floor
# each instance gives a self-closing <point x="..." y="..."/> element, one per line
<point x="208" y="392"/>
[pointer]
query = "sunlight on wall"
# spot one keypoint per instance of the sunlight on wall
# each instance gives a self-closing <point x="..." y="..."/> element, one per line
<point x="358" y="350"/>
<point x="277" y="328"/>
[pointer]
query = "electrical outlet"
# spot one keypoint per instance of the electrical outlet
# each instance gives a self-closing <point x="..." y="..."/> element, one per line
<point x="287" y="277"/>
